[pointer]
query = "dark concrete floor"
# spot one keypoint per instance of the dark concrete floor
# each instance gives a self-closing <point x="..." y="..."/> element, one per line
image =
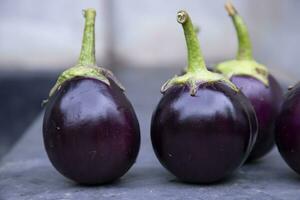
<point x="21" y="96"/>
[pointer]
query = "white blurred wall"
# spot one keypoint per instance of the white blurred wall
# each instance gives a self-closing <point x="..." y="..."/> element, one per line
<point x="36" y="34"/>
<point x="41" y="34"/>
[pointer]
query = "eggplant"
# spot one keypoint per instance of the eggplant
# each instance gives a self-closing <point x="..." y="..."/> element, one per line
<point x="203" y="126"/>
<point x="90" y="130"/>
<point x="287" y="134"/>
<point x="257" y="83"/>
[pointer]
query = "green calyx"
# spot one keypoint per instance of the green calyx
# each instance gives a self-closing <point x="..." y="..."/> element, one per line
<point x="92" y="72"/>
<point x="194" y="80"/>
<point x="86" y="66"/>
<point x="244" y="68"/>
<point x="196" y="71"/>
<point x="95" y="72"/>
<point x="244" y="64"/>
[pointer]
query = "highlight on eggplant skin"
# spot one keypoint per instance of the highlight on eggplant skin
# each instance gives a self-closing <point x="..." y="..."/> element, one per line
<point x="90" y="130"/>
<point x="203" y="138"/>
<point x="287" y="135"/>
<point x="203" y="128"/>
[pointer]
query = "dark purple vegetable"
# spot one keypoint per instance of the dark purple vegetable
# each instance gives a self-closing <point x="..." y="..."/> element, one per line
<point x="254" y="80"/>
<point x="203" y="127"/>
<point x="91" y="132"/>
<point x="287" y="135"/>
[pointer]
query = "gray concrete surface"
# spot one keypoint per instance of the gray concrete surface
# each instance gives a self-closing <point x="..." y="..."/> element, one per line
<point x="26" y="173"/>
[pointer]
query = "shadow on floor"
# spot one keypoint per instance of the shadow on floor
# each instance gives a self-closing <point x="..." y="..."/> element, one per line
<point x="21" y="96"/>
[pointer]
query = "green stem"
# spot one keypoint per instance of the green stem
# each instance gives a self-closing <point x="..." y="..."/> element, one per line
<point x="245" y="48"/>
<point x="87" y="54"/>
<point x="195" y="59"/>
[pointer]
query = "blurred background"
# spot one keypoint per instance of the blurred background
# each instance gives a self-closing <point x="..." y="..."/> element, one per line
<point x="135" y="38"/>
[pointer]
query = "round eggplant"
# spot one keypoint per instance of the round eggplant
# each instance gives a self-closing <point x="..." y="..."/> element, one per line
<point x="91" y="133"/>
<point x="287" y="135"/>
<point x="202" y="128"/>
<point x="255" y="81"/>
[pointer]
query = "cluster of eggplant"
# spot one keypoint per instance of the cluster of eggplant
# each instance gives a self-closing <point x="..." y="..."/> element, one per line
<point x="206" y="125"/>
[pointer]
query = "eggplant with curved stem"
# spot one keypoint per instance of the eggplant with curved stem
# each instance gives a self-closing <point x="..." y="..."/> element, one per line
<point x="203" y="126"/>
<point x="255" y="81"/>
<point x="91" y="132"/>
<point x="287" y="134"/>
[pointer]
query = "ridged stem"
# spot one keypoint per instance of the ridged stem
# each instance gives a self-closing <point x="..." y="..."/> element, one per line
<point x="244" y="42"/>
<point x="195" y="59"/>
<point x="87" y="54"/>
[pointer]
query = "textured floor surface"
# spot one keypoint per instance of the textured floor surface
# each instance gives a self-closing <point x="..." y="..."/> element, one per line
<point x="25" y="173"/>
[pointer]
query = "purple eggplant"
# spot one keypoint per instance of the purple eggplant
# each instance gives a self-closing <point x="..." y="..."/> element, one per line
<point x="203" y="127"/>
<point x="287" y="134"/>
<point x="256" y="82"/>
<point x="91" y="132"/>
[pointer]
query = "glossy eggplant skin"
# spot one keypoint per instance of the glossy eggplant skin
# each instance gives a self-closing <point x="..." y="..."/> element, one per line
<point x="91" y="132"/>
<point x="203" y="138"/>
<point x="266" y="102"/>
<point x="287" y="135"/>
